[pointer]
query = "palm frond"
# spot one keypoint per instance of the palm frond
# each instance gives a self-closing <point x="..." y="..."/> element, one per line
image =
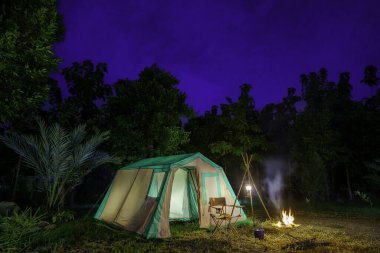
<point x="59" y="158"/>
<point x="20" y="144"/>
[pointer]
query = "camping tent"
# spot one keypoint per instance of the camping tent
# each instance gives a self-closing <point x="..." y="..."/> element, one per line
<point x="145" y="195"/>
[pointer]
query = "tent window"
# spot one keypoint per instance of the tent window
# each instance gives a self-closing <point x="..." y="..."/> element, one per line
<point x="210" y="186"/>
<point x="155" y="184"/>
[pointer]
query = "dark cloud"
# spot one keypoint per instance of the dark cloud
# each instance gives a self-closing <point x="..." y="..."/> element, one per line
<point x="214" y="46"/>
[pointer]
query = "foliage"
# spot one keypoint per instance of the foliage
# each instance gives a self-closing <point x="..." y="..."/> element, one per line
<point x="205" y="130"/>
<point x="86" y="86"/>
<point x="175" y="138"/>
<point x="311" y="177"/>
<point x="28" y="30"/>
<point x="63" y="217"/>
<point x="316" y="145"/>
<point x="144" y="117"/>
<point x="233" y="132"/>
<point x="278" y="120"/>
<point x="88" y="91"/>
<point x="241" y="134"/>
<point x="60" y="158"/>
<point x="19" y="231"/>
<point x="370" y="76"/>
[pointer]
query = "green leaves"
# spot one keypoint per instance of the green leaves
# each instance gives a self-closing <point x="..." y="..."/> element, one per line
<point x="28" y="30"/>
<point x="145" y="115"/>
<point x="240" y="132"/>
<point x="59" y="158"/>
<point x="19" y="231"/>
<point x="370" y="76"/>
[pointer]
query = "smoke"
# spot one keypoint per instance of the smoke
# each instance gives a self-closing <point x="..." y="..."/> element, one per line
<point x="274" y="172"/>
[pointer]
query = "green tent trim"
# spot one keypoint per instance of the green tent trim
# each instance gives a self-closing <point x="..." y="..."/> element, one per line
<point x="103" y="204"/>
<point x="192" y="198"/>
<point x="211" y="174"/>
<point x="152" y="228"/>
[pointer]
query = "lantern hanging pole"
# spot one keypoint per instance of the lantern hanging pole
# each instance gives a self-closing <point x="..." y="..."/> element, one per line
<point x="241" y="185"/>
<point x="258" y="194"/>
<point x="250" y="197"/>
<point x="237" y="196"/>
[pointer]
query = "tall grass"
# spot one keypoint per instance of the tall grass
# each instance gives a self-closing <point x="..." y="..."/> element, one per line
<point x="19" y="231"/>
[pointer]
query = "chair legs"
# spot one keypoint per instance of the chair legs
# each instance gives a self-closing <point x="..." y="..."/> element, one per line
<point x="219" y="223"/>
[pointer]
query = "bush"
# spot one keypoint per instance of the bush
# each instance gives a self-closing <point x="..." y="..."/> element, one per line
<point x="19" y="231"/>
<point x="63" y="217"/>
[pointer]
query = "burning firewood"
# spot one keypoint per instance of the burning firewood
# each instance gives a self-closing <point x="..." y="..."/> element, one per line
<point x="287" y="220"/>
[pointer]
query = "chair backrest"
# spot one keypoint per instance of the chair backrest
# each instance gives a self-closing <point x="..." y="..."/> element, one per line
<point x="217" y="201"/>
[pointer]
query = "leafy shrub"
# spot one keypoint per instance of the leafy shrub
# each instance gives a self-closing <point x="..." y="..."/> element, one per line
<point x="63" y="217"/>
<point x="59" y="158"/>
<point x="19" y="231"/>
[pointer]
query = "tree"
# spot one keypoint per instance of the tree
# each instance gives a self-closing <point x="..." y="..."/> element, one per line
<point x="87" y="88"/>
<point x="311" y="151"/>
<point x="204" y="130"/>
<point x="28" y="30"/>
<point x="370" y="77"/>
<point x="315" y="143"/>
<point x="60" y="158"/>
<point x="145" y="115"/>
<point x="277" y="121"/>
<point x="242" y="134"/>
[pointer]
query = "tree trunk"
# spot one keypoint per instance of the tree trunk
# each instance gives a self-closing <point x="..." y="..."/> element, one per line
<point x="348" y="184"/>
<point x="16" y="178"/>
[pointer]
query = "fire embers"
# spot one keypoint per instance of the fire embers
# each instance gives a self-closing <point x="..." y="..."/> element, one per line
<point x="287" y="220"/>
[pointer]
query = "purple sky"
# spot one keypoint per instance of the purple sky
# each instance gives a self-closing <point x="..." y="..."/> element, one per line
<point x="213" y="47"/>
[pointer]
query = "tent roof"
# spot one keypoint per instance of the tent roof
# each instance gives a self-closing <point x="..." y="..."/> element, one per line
<point x="168" y="162"/>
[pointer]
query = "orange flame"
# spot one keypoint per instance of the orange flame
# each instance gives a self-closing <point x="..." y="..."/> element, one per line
<point x="287" y="220"/>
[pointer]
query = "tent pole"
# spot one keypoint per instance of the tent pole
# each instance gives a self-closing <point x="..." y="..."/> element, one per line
<point x="237" y="196"/>
<point x="250" y="197"/>
<point x="258" y="194"/>
<point x="247" y="165"/>
<point x="241" y="185"/>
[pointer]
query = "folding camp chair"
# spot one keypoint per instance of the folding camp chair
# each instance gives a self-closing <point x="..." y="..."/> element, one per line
<point x="219" y="214"/>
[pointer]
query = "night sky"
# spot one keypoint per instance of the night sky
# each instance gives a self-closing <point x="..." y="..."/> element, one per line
<point x="213" y="47"/>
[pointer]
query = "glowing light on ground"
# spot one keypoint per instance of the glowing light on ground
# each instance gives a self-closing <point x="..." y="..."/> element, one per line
<point x="287" y="220"/>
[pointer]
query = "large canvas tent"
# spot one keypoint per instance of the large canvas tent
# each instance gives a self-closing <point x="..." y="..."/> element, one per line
<point x="145" y="195"/>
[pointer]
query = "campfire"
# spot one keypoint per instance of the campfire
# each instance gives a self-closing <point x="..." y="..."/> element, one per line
<point x="287" y="220"/>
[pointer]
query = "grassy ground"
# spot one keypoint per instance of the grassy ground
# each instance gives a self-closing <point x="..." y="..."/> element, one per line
<point x="322" y="229"/>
